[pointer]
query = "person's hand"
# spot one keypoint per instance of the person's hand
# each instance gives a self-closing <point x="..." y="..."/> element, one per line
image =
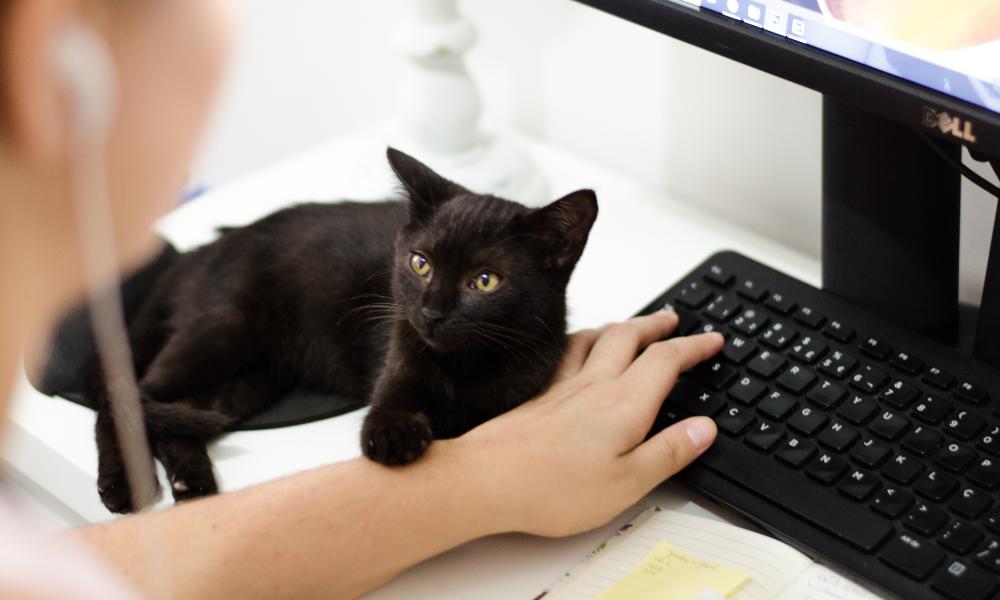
<point x="574" y="457"/>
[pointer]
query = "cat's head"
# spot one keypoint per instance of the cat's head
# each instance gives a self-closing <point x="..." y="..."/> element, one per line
<point x="474" y="270"/>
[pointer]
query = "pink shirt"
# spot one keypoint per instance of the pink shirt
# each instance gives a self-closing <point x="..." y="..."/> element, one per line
<point x="35" y="564"/>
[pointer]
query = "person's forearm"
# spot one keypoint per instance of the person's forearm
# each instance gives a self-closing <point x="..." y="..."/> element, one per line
<point x="333" y="532"/>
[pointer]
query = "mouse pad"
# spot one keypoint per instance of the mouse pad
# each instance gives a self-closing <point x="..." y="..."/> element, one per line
<point x="72" y="349"/>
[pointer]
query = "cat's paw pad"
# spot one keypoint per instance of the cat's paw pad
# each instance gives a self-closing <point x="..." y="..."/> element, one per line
<point x="395" y="438"/>
<point x="190" y="486"/>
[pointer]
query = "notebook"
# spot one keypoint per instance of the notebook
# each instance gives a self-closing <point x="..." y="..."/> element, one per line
<point x="665" y="547"/>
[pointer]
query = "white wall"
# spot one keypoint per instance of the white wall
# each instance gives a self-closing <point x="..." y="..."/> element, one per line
<point x="681" y="120"/>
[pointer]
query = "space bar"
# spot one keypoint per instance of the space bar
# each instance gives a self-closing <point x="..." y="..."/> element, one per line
<point x="760" y="474"/>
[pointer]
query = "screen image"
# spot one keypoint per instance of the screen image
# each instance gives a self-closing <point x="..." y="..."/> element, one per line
<point x="950" y="46"/>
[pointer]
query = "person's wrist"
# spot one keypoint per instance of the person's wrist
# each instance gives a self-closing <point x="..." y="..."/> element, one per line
<point x="475" y="485"/>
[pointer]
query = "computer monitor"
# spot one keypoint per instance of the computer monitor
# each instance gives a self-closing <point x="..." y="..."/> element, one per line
<point x="906" y="84"/>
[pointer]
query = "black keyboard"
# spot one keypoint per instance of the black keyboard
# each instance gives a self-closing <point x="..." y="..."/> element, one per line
<point x="855" y="440"/>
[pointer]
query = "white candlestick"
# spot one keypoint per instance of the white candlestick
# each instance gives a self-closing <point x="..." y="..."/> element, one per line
<point x="438" y="110"/>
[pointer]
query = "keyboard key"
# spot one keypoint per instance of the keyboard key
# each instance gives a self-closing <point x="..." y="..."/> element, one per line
<point x="839" y="331"/>
<point x="694" y="399"/>
<point x="809" y="317"/>
<point x="778" y="335"/>
<point x="970" y="503"/>
<point x="900" y="394"/>
<point x="838" y="364"/>
<point x="868" y="379"/>
<point x="935" y="486"/>
<point x="986" y="473"/>
<point x="734" y="420"/>
<point x="961" y="581"/>
<point x="903" y="469"/>
<point x="870" y="453"/>
<point x="808" y="349"/>
<point x="912" y="556"/>
<point x="827" y="394"/>
<point x="932" y="409"/>
<point x="925" y="519"/>
<point x="766" y="364"/>
<point x="738" y="350"/>
<point x="780" y="303"/>
<point x="907" y="363"/>
<point x="722" y="308"/>
<point x="776" y="406"/>
<point x="687" y="321"/>
<point x="827" y="468"/>
<point x="922" y="441"/>
<point x="891" y="502"/>
<point x="796" y="379"/>
<point x="965" y="425"/>
<point x="938" y="378"/>
<point x="751" y="291"/>
<point x="988" y="555"/>
<point x="750" y="322"/>
<point x="875" y="348"/>
<point x="838" y="436"/>
<point x="858" y="409"/>
<point x="796" y="452"/>
<point x="807" y="421"/>
<point x="990" y="441"/>
<point x="955" y="457"/>
<point x="992" y="520"/>
<point x="961" y="537"/>
<point x="764" y="436"/>
<point x="859" y="485"/>
<point x="971" y="393"/>
<point x="889" y="425"/>
<point x="715" y="374"/>
<point x="747" y="390"/>
<point x="855" y="525"/>
<point x="719" y="276"/>
<point x="693" y="295"/>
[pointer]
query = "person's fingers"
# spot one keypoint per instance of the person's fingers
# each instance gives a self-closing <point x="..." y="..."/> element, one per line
<point x="672" y="449"/>
<point x="654" y="373"/>
<point x="619" y="344"/>
<point x="580" y="344"/>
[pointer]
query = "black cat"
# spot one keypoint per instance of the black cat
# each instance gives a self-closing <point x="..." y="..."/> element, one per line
<point x="444" y="310"/>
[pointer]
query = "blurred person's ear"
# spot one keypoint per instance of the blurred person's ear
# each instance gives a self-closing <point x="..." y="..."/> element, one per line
<point x="39" y="113"/>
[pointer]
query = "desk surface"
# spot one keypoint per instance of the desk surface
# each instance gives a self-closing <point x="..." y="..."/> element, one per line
<point x="641" y="243"/>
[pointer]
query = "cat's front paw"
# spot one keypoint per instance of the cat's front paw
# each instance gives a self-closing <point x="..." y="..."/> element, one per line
<point x="191" y="486"/>
<point x="395" y="437"/>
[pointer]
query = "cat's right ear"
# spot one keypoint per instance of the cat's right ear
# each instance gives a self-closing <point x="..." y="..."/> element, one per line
<point x="425" y="189"/>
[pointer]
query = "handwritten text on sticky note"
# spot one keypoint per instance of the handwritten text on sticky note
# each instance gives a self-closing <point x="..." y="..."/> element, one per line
<point x="668" y="573"/>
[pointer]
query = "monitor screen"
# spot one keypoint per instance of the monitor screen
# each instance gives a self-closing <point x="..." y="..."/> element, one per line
<point x="950" y="46"/>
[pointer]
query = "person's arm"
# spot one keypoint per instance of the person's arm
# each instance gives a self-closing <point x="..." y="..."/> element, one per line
<point x="342" y="530"/>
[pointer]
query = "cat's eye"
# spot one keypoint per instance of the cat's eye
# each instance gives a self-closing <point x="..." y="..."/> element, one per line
<point x="420" y="265"/>
<point x="487" y="281"/>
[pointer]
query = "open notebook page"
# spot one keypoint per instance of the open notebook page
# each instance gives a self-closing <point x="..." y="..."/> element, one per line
<point x="773" y="564"/>
<point x="820" y="583"/>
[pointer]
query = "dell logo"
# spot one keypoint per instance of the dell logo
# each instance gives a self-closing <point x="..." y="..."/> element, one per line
<point x="949" y="124"/>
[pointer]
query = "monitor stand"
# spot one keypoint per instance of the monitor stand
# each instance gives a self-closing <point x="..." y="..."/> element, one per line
<point x="891" y="209"/>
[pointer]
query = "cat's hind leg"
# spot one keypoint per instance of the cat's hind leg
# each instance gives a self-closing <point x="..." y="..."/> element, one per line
<point x="188" y="467"/>
<point x="112" y="483"/>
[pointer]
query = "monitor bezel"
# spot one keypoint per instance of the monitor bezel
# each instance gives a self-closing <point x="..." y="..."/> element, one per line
<point x="865" y="87"/>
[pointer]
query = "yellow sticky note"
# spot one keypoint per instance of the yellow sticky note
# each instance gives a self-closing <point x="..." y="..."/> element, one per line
<point x="668" y="573"/>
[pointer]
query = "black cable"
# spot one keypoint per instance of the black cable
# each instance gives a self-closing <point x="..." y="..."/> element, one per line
<point x="962" y="168"/>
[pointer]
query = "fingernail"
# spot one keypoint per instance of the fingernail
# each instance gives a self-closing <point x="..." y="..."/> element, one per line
<point x="667" y="308"/>
<point x="701" y="431"/>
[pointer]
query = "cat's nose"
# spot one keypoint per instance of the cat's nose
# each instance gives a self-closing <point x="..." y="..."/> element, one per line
<point x="431" y="317"/>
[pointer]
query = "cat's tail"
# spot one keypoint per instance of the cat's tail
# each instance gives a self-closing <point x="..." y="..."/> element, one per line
<point x="169" y="419"/>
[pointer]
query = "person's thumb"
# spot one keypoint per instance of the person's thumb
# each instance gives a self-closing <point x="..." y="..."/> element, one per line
<point x="672" y="449"/>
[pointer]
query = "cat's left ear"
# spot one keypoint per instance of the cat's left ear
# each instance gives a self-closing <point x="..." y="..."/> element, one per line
<point x="425" y="189"/>
<point x="564" y="226"/>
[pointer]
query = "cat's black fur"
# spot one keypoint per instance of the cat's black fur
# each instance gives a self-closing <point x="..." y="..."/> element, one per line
<point x="323" y="297"/>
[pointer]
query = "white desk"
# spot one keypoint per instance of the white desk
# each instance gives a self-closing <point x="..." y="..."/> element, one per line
<point x="641" y="243"/>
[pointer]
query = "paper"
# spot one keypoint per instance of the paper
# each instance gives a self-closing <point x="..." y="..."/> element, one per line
<point x="669" y="573"/>
<point x="820" y="583"/>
